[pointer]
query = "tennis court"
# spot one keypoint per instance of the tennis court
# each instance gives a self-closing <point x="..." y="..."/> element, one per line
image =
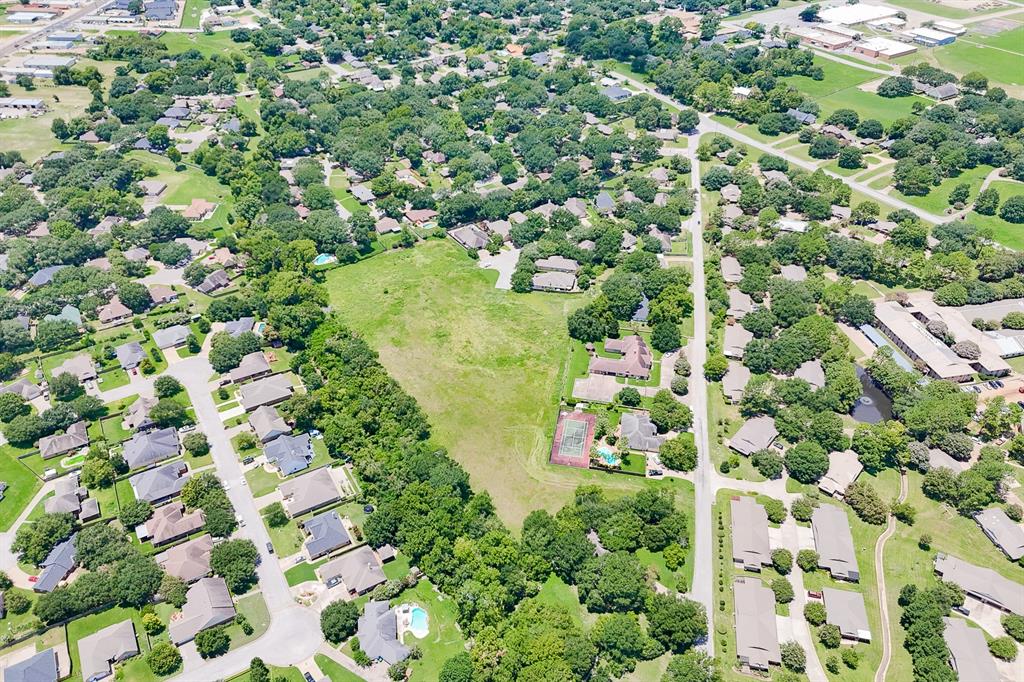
<point x="573" y="436"/>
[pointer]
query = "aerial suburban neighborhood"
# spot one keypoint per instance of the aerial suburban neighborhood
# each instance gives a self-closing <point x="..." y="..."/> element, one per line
<point x="445" y="341"/>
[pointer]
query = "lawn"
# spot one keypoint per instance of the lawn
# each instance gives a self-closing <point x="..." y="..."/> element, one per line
<point x="938" y="9"/>
<point x="937" y="201"/>
<point x="837" y="77"/>
<point x="22" y="485"/>
<point x="290" y="674"/>
<point x="255" y="610"/>
<point x="869" y="105"/>
<point x="999" y="65"/>
<point x="487" y="366"/>
<point x="134" y="669"/>
<point x="444" y="638"/>
<point x="1003" y="232"/>
<point x="287" y="539"/>
<point x="301" y="573"/>
<point x="31" y="135"/>
<point x="555" y="592"/>
<point x="193" y="12"/>
<point x="334" y="671"/>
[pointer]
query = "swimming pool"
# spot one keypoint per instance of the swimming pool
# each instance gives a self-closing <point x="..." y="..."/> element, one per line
<point x="608" y="455"/>
<point x="324" y="259"/>
<point x="418" y="622"/>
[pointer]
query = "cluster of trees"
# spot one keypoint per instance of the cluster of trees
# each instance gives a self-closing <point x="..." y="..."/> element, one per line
<point x="923" y="611"/>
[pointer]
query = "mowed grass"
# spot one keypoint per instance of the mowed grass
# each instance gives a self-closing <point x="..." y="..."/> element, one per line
<point x="840" y="89"/>
<point x="937" y="201"/>
<point x="22" y="485"/>
<point x="486" y="366"/>
<point x="934" y="7"/>
<point x="837" y="77"/>
<point x="193" y="12"/>
<point x="1004" y="232"/>
<point x="31" y="135"/>
<point x="335" y="671"/>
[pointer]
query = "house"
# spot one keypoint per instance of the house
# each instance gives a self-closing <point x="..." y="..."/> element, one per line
<point x="845" y="610"/>
<point x="616" y="93"/>
<point x="23" y="387"/>
<point x="793" y="273"/>
<point x="359" y="570"/>
<point x="812" y="372"/>
<point x="268" y="424"/>
<point x="739" y="304"/>
<point x="74" y="438"/>
<point x="982" y="584"/>
<point x="843" y="469"/>
<point x="554" y="281"/>
<point x="152" y="188"/>
<point x="70" y="497"/>
<point x="801" y="117"/>
<point x="1004" y="533"/>
<point x="326" y="533"/>
<point x="79" y="366"/>
<point x="137" y="255"/>
<point x="730" y="193"/>
<point x="749" y="521"/>
<point x="755" y="434"/>
<point x="969" y="654"/>
<point x="199" y="209"/>
<point x="161" y="483"/>
<point x="266" y="391"/>
<point x="774" y="176"/>
<point x="310" y="491"/>
<point x="218" y="279"/>
<point x="377" y="631"/>
<point x="190" y="560"/>
<point x="834" y="543"/>
<point x="171" y="337"/>
<point x="735" y="381"/>
<point x="757" y="637"/>
<point x="207" y="604"/>
<point x="57" y="565"/>
<point x="130" y="355"/>
<point x="44" y="276"/>
<point x="604" y="203"/>
<point x="736" y="339"/>
<point x="502" y="228"/>
<point x="68" y="313"/>
<point x="636" y="359"/>
<point x="470" y="237"/>
<point x="387" y="224"/>
<point x="43" y="667"/>
<point x="251" y="366"/>
<point x="236" y="328"/>
<point x="639" y="432"/>
<point x="732" y="271"/>
<point x="136" y="416"/>
<point x="909" y="335"/>
<point x="151" y="447"/>
<point x="943" y="92"/>
<point x="290" y="454"/>
<point x="98" y="652"/>
<point x="162" y="294"/>
<point x="170" y="523"/>
<point x="576" y="206"/>
<point x="557" y="264"/>
<point x="420" y="216"/>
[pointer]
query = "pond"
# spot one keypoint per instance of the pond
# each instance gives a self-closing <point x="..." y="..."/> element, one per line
<point x="872" y="406"/>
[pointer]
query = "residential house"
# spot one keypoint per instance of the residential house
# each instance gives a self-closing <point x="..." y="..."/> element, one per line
<point x="557" y="264"/>
<point x="161" y="483"/>
<point x="100" y="651"/>
<point x="732" y="271"/>
<point x="735" y="381"/>
<point x="199" y="209"/>
<point x="739" y="304"/>
<point x="750" y="549"/>
<point x="114" y="312"/>
<point x="812" y="372"/>
<point x="79" y="366"/>
<point x="75" y="438"/>
<point x="470" y="237"/>
<point x="267" y="391"/>
<point x="218" y="279"/>
<point x="561" y="282"/>
<point x="162" y="294"/>
<point x="174" y="336"/>
<point x="362" y="193"/>
<point x="151" y="447"/>
<point x="44" y="276"/>
<point x="982" y="584"/>
<point x="736" y="339"/>
<point x="207" y="604"/>
<point x="310" y="491"/>
<point x="845" y="609"/>
<point x="1004" y="533"/>
<point x="635" y="361"/>
<point x="136" y="416"/>
<point x="793" y="273"/>
<point x="23" y="387"/>
<point x="57" y="565"/>
<point x="939" y="459"/>
<point x="70" y="497"/>
<point x="251" y="366"/>
<point x="638" y="432"/>
<point x="190" y="560"/>
<point x="290" y="454"/>
<point x="130" y="355"/>
<point x="834" y="542"/>
<point x="68" y="313"/>
<point x="969" y="654"/>
<point x="325" y="533"/>
<point x="387" y="224"/>
<point x="43" y="667"/>
<point x="757" y="637"/>
<point x="268" y="424"/>
<point x="756" y="434"/>
<point x="843" y="469"/>
<point x="170" y="523"/>
<point x="236" y="328"/>
<point x="377" y="630"/>
<point x="359" y="570"/>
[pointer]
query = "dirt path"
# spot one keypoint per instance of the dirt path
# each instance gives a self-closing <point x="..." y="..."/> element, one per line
<point x="883" y="600"/>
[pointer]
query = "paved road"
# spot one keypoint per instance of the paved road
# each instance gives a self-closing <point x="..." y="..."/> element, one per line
<point x="294" y="632"/>
<point x="883" y="666"/>
<point x="701" y="589"/>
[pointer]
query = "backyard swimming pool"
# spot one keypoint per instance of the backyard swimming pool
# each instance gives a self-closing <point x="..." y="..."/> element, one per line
<point x="324" y="259"/>
<point x="418" y="622"/>
<point x="608" y="455"/>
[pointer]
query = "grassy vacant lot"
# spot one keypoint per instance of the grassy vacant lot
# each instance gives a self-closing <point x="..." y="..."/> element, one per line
<point x="193" y="12"/>
<point x="22" y="485"/>
<point x="938" y="9"/>
<point x="1003" y="232"/>
<point x="839" y="90"/>
<point x="31" y="135"/>
<point x="837" y="77"/>
<point x="486" y="366"/>
<point x="937" y="201"/>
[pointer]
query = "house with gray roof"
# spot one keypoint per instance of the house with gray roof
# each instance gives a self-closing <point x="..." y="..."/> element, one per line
<point x="378" y="633"/>
<point x="735" y="381"/>
<point x="75" y="438"/>
<point x="940" y="459"/>
<point x="969" y="654"/>
<point x="68" y="313"/>
<point x="43" y="667"/>
<point x="252" y="365"/>
<point x="268" y="424"/>
<point x="161" y="483"/>
<point x="750" y="549"/>
<point x="1004" y="533"/>
<point x="736" y="340"/>
<point x="100" y="651"/>
<point x="151" y="447"/>
<point x="359" y="570"/>
<point x="57" y="565"/>
<point x="208" y="604"/>
<point x="557" y="264"/>
<point x="757" y="637"/>
<point x="310" y="491"/>
<point x="739" y="304"/>
<point x="639" y="432"/>
<point x="845" y="609"/>
<point x="70" y="497"/>
<point x="80" y="366"/>
<point x="171" y="337"/>
<point x="812" y="372"/>
<point x="834" y="542"/>
<point x="240" y="326"/>
<point x="470" y="237"/>
<point x="604" y="202"/>
<point x="616" y="93"/>
<point x="756" y="434"/>
<point x="982" y="584"/>
<point x="130" y="355"/>
<point x="267" y="391"/>
<point x="136" y="416"/>
<point x="218" y="279"/>
<point x="325" y="533"/>
<point x="23" y="387"/>
<point x="843" y="469"/>
<point x="554" y="281"/>
<point x="190" y="560"/>
<point x="793" y="273"/>
<point x="45" y="275"/>
<point x="290" y="454"/>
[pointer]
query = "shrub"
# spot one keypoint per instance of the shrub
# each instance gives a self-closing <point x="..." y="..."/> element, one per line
<point x="1014" y="626"/>
<point x="802" y="508"/>
<point x="358" y="655"/>
<point x="5" y="580"/>
<point x="16" y="602"/>
<point x="851" y="657"/>
<point x="783" y="590"/>
<point x="814" y="613"/>
<point x="782" y="560"/>
<point x="793" y="657"/>
<point x="904" y="511"/>
<point x="135" y="513"/>
<point x="152" y="624"/>
<point x="775" y="509"/>
<point x="925" y="541"/>
<point x="807" y="560"/>
<point x="1003" y="648"/>
<point x="163" y="659"/>
<point x="1014" y="512"/>
<point x="866" y="502"/>
<point x="830" y="636"/>
<point x="833" y="664"/>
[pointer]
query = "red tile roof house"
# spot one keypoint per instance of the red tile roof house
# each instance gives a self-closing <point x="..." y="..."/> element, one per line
<point x="571" y="446"/>
<point x="636" y="360"/>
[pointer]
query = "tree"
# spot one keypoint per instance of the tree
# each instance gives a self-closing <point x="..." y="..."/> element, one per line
<point x="793" y="656"/>
<point x="16" y="602"/>
<point x="235" y="561"/>
<point x="807" y="560"/>
<point x="135" y="513"/>
<point x="212" y="642"/>
<point x="866" y="502"/>
<point x="668" y="414"/>
<point x="693" y="666"/>
<point x="612" y="582"/>
<point x="163" y="659"/>
<point x="830" y="636"/>
<point x="851" y="157"/>
<point x="896" y="86"/>
<point x="987" y="201"/>
<point x="173" y="589"/>
<point x="783" y="590"/>
<point x="196" y="444"/>
<point x="1013" y="210"/>
<point x="275" y="515"/>
<point x="11" y="406"/>
<point x="258" y="670"/>
<point x="1014" y="626"/>
<point x="33" y="541"/>
<point x="809" y="13"/>
<point x="814" y="613"/>
<point x="169" y="412"/>
<point x="677" y="624"/>
<point x="458" y="668"/>
<point x="65" y="387"/>
<point x="959" y="194"/>
<point x="715" y="367"/>
<point x="619" y="637"/>
<point x="768" y="463"/>
<point x="665" y="337"/>
<point x="338" y="621"/>
<point x="775" y="510"/>
<point x="1003" y="648"/>
<point x="679" y="453"/>
<point x="629" y="396"/>
<point x="782" y="561"/>
<point x="152" y="624"/>
<point x="167" y="386"/>
<point x="807" y="462"/>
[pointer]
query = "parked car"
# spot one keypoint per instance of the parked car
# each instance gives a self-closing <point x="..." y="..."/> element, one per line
<point x="270" y="548"/>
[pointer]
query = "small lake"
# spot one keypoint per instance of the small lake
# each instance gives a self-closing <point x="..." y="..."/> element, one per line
<point x="872" y="406"/>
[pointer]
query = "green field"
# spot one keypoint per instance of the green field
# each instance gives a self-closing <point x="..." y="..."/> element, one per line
<point x="22" y="485"/>
<point x="1003" y="232"/>
<point x="31" y="135"/>
<point x="937" y="201"/>
<point x="486" y="366"/>
<point x="193" y="12"/>
<point x="334" y="671"/>
<point x="837" y="77"/>
<point x="840" y="90"/>
<point x="935" y="8"/>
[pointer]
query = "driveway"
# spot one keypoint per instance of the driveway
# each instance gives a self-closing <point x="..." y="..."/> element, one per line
<point x="504" y="262"/>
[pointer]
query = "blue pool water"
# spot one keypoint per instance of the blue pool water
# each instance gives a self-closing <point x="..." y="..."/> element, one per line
<point x="323" y="259"/>
<point x="418" y="622"/>
<point x="608" y="455"/>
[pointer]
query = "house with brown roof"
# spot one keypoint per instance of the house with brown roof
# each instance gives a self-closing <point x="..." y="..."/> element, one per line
<point x="266" y="391"/>
<point x="251" y="366"/>
<point x="636" y="358"/>
<point x="208" y="604"/>
<point x="170" y="523"/>
<point x="74" y="438"/>
<point x="310" y="491"/>
<point x="190" y="560"/>
<point x="114" y="312"/>
<point x="199" y="209"/>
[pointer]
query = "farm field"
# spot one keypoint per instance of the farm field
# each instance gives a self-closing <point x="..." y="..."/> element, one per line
<point x="486" y="366"/>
